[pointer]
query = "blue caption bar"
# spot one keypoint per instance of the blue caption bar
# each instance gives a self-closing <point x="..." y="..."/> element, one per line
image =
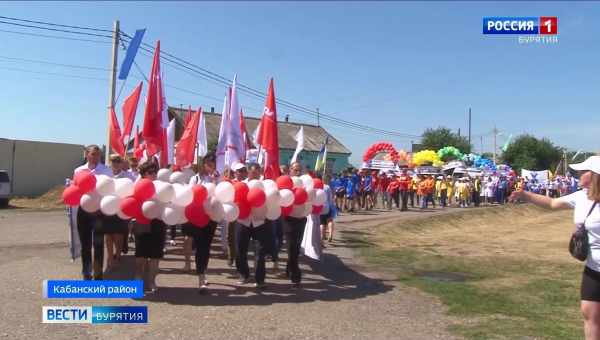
<point x="511" y="25"/>
<point x="95" y="314"/>
<point x="67" y="289"/>
<point x="119" y="314"/>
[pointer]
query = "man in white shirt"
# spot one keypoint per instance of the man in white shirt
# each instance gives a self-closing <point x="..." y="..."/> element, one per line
<point x="294" y="231"/>
<point x="253" y="229"/>
<point x="89" y="225"/>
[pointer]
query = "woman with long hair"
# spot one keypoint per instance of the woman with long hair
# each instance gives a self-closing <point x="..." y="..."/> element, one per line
<point x="586" y="215"/>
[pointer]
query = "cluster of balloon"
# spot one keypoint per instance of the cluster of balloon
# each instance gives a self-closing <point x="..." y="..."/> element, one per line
<point x="172" y="200"/>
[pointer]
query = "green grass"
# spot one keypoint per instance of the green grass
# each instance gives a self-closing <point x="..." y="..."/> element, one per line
<point x="535" y="300"/>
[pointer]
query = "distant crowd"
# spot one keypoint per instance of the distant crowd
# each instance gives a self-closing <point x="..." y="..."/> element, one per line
<point x="367" y="189"/>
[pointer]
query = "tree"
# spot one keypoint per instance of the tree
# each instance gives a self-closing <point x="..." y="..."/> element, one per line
<point x="528" y="152"/>
<point x="435" y="139"/>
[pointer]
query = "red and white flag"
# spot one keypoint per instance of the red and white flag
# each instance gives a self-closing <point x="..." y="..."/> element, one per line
<point x="223" y="133"/>
<point x="116" y="141"/>
<point x="129" y="109"/>
<point x="268" y="137"/>
<point x="185" y="151"/>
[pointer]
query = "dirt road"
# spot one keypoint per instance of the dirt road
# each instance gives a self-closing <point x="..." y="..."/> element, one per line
<point x="338" y="299"/>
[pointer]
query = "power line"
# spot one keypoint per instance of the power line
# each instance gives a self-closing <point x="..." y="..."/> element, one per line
<point x="54" y="29"/>
<point x="51" y="73"/>
<point x="57" y="25"/>
<point x="55" y="37"/>
<point x="53" y="63"/>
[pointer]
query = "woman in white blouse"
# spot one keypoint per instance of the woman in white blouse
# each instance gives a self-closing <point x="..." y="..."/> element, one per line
<point x="587" y="213"/>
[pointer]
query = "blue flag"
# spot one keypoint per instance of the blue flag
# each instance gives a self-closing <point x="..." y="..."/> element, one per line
<point x="134" y="45"/>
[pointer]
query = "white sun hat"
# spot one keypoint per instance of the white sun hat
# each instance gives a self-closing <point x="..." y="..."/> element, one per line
<point x="590" y="164"/>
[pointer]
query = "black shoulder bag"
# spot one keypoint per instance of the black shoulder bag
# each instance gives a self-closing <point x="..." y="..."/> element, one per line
<point x="579" y="246"/>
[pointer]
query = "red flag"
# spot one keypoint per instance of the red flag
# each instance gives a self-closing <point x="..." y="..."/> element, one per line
<point x="116" y="141"/>
<point x="267" y="135"/>
<point x="153" y="130"/>
<point x="184" y="152"/>
<point x="136" y="139"/>
<point x="188" y="116"/>
<point x="129" y="109"/>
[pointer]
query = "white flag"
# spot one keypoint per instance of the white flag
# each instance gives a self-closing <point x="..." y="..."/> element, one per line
<point x="299" y="144"/>
<point x="202" y="147"/>
<point x="222" y="142"/>
<point x="236" y="145"/>
<point x="171" y="142"/>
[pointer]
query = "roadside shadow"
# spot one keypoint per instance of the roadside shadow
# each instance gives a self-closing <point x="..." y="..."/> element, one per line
<point x="335" y="282"/>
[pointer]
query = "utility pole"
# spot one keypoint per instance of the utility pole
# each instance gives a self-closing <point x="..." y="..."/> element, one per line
<point x="495" y="146"/>
<point x="318" y="114"/>
<point x="469" y="127"/>
<point x="113" y="84"/>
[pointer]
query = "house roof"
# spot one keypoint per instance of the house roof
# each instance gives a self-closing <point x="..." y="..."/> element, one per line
<point x="314" y="136"/>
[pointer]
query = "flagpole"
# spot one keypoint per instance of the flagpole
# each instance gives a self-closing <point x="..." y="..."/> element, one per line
<point x="113" y="84"/>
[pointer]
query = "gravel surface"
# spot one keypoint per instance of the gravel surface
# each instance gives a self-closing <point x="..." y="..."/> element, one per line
<point x="338" y="299"/>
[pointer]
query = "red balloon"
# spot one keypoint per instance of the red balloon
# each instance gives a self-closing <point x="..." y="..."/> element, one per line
<point x="143" y="190"/>
<point x="142" y="219"/>
<point x="130" y="206"/>
<point x="286" y="211"/>
<point x="85" y="180"/>
<point x="284" y="182"/>
<point x="300" y="196"/>
<point x="244" y="209"/>
<point x="72" y="195"/>
<point x="317" y="209"/>
<point x="196" y="215"/>
<point x="256" y="197"/>
<point x="200" y="194"/>
<point x="317" y="183"/>
<point x="241" y="191"/>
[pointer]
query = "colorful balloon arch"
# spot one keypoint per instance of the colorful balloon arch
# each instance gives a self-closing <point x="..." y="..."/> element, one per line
<point x="392" y="154"/>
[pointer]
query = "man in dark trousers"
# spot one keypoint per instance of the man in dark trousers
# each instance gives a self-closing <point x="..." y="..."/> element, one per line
<point x="89" y="225"/>
<point x="404" y="182"/>
<point x="294" y="231"/>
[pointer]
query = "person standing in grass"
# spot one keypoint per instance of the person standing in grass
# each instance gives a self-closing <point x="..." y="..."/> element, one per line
<point x="586" y="214"/>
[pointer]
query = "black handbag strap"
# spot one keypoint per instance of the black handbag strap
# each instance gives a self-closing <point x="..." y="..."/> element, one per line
<point x="589" y="213"/>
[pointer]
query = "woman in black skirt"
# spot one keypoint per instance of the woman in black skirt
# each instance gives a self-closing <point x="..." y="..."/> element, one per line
<point x="115" y="228"/>
<point x="586" y="205"/>
<point x="149" y="239"/>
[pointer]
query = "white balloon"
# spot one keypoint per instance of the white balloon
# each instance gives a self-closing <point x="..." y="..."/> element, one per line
<point x="183" y="195"/>
<point x="217" y="212"/>
<point x="105" y="185"/>
<point x="259" y="213"/>
<point x="109" y="205"/>
<point x="210" y="188"/>
<point x="171" y="215"/>
<point x="164" y="191"/>
<point x="254" y="183"/>
<point x="152" y="209"/>
<point x="297" y="182"/>
<point x="312" y="193"/>
<point x="182" y="219"/>
<point x="163" y="175"/>
<point x="273" y="213"/>
<point x="177" y="177"/>
<point x="320" y="197"/>
<point x="307" y="181"/>
<point x="231" y="212"/>
<point x="123" y="187"/>
<point x="287" y="197"/>
<point x="272" y="197"/>
<point x="123" y="216"/>
<point x="268" y="184"/>
<point x="225" y="192"/>
<point x="90" y="202"/>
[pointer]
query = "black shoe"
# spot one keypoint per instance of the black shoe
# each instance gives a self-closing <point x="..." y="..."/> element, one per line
<point x="296" y="286"/>
<point x="87" y="277"/>
<point x="261" y="285"/>
<point x="243" y="281"/>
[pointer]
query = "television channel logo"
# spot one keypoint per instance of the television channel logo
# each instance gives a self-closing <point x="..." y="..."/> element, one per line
<point x="94" y="314"/>
<point x="529" y="29"/>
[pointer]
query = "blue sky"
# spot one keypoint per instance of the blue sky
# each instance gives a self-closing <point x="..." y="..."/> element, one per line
<point x="401" y="66"/>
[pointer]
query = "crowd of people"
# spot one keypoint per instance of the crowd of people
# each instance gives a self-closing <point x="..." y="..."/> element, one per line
<point x="266" y="237"/>
<point x="366" y="189"/>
